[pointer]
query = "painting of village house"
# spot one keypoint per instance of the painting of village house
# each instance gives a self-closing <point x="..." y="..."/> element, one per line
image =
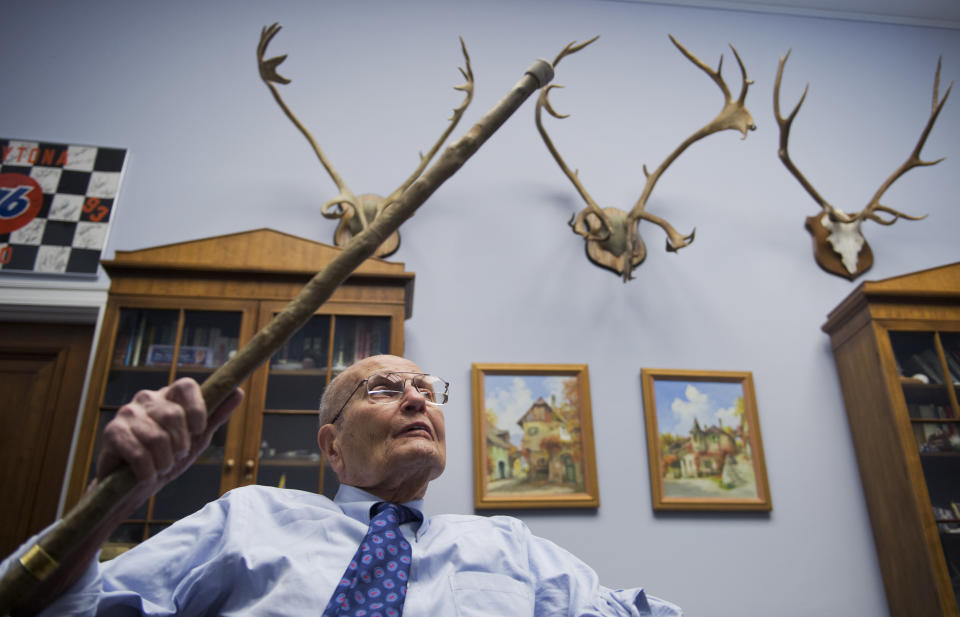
<point x="703" y="441"/>
<point x="533" y="436"/>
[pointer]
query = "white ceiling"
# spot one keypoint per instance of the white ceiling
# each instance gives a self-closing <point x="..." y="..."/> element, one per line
<point x="935" y="13"/>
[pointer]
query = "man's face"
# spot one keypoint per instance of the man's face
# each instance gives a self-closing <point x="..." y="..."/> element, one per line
<point x="394" y="446"/>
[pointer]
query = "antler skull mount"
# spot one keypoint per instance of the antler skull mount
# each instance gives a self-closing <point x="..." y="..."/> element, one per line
<point x="612" y="235"/>
<point x="357" y="212"/>
<point x="839" y="246"/>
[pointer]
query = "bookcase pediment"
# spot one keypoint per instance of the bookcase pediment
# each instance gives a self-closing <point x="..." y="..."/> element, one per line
<point x="259" y="250"/>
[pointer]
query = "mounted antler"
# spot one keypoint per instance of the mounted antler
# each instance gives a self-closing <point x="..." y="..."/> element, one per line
<point x="357" y="212"/>
<point x="838" y="243"/>
<point x="612" y="235"/>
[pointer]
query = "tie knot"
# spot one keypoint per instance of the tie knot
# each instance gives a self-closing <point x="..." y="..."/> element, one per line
<point x="387" y="513"/>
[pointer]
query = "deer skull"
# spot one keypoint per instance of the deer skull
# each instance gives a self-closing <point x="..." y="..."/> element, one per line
<point x="846" y="240"/>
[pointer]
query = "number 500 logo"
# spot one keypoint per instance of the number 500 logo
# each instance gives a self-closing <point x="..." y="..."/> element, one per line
<point x="21" y="198"/>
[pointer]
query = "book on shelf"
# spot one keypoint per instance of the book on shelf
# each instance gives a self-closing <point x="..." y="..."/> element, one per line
<point x="935" y="411"/>
<point x="362" y="344"/>
<point x="134" y="359"/>
<point x="953" y="362"/>
<point x="121" y="347"/>
<point x="945" y="518"/>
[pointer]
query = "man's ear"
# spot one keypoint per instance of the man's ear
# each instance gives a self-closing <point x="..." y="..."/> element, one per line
<point x="327" y="440"/>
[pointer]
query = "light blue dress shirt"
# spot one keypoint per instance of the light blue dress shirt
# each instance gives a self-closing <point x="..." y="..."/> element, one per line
<point x="260" y="551"/>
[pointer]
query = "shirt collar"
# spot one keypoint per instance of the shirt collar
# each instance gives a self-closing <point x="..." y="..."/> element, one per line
<point x="356" y="503"/>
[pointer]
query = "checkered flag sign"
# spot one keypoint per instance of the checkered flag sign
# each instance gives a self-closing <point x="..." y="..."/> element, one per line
<point x="56" y="204"/>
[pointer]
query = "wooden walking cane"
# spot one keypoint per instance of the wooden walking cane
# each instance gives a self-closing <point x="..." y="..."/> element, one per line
<point x="41" y="560"/>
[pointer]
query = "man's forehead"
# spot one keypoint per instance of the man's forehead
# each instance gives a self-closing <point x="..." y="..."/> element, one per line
<point x="378" y="364"/>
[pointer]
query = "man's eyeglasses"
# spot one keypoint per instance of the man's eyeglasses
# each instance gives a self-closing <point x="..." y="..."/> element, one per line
<point x="388" y="387"/>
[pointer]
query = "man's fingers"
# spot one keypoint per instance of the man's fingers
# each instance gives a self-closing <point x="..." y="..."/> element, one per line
<point x="186" y="393"/>
<point x="170" y="419"/>
<point x="135" y="438"/>
<point x="156" y="443"/>
<point x="107" y="461"/>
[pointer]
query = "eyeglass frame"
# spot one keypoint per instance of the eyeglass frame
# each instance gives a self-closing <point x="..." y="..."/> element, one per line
<point x="446" y="388"/>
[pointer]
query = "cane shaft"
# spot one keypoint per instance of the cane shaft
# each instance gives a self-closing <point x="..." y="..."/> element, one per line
<point x="20" y="581"/>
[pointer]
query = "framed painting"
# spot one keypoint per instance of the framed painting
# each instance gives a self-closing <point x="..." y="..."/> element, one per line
<point x="703" y="440"/>
<point x="533" y="437"/>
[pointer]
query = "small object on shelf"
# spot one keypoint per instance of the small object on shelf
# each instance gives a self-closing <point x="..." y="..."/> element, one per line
<point x="340" y="366"/>
<point x="189" y="356"/>
<point x="301" y="454"/>
<point x="929" y="363"/>
<point x="946" y="516"/>
<point x="932" y="438"/>
<point x="287" y="365"/>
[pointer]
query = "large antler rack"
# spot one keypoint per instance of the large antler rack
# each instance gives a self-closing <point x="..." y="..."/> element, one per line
<point x="612" y="236"/>
<point x="839" y="245"/>
<point x="356" y="212"/>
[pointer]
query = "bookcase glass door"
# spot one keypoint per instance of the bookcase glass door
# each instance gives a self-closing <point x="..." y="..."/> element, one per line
<point x="929" y="367"/>
<point x="298" y="374"/>
<point x="146" y="343"/>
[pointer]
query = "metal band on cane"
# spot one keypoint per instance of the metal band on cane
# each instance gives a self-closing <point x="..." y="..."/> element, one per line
<point x="542" y="71"/>
<point x="38" y="562"/>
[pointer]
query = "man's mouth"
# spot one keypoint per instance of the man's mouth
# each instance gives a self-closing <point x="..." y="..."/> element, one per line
<point x="416" y="429"/>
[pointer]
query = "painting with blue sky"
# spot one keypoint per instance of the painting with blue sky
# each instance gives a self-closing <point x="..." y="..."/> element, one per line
<point x="712" y="403"/>
<point x="704" y="440"/>
<point x="511" y="396"/>
<point x="534" y="439"/>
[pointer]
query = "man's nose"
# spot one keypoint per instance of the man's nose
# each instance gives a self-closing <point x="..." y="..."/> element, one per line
<point x="413" y="398"/>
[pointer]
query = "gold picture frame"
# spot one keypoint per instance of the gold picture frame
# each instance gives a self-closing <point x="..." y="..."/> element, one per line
<point x="703" y="441"/>
<point x="533" y="437"/>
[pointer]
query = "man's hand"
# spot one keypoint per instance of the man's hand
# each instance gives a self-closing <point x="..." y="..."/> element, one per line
<point x="160" y="433"/>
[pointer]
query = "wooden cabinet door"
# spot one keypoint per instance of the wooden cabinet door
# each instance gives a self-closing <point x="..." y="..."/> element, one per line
<point x="42" y="368"/>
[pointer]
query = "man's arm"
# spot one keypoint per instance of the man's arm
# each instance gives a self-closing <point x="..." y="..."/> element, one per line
<point x="568" y="586"/>
<point x="158" y="434"/>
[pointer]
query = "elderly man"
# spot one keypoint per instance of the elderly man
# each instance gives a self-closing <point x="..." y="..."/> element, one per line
<point x="370" y="552"/>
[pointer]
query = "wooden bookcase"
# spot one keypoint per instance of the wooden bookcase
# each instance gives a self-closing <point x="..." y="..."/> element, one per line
<point x="200" y="301"/>
<point x="897" y="347"/>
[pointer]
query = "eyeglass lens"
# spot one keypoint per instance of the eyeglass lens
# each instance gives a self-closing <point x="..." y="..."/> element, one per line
<point x="386" y="386"/>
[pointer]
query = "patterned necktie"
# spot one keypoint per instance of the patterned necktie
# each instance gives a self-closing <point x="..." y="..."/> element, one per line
<point x="375" y="583"/>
